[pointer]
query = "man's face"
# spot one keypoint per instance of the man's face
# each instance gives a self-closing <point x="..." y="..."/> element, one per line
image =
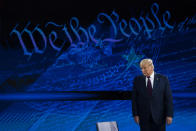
<point x="147" y="69"/>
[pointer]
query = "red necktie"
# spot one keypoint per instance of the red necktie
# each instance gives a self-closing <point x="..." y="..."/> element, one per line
<point x="149" y="86"/>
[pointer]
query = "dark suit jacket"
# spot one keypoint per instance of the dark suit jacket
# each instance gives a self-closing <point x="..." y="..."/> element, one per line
<point x="159" y="105"/>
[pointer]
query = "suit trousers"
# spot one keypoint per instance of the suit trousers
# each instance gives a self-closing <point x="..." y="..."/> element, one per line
<point x="150" y="125"/>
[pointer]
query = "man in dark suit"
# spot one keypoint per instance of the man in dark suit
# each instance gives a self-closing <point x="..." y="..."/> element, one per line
<point x="152" y="101"/>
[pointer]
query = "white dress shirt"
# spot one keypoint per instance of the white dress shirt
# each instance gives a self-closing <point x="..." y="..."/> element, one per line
<point x="151" y="79"/>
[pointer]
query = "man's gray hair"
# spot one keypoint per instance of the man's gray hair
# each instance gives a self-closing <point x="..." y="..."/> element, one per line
<point x="146" y="61"/>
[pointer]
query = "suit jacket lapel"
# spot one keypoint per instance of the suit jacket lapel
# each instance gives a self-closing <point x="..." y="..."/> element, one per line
<point x="144" y="84"/>
<point x="155" y="84"/>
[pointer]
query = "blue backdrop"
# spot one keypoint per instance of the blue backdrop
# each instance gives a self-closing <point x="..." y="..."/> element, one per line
<point x="68" y="65"/>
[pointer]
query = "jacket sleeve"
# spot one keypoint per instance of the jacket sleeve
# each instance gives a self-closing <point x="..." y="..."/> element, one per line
<point x="168" y="99"/>
<point x="134" y="98"/>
